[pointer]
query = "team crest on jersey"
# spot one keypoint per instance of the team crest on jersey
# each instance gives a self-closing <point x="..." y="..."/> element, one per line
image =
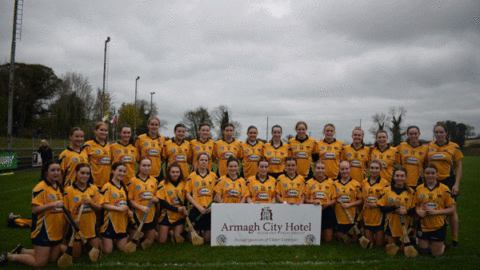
<point x="76" y="199"/>
<point x="197" y="148"/>
<point x="247" y="151"/>
<point x="390" y="200"/>
<point x="388" y="156"/>
<point x="375" y="156"/>
<point x="255" y="188"/>
<point x="227" y="184"/>
<point x="323" y="148"/>
<point x="294" y="147"/>
<point x="197" y="184"/>
<point x="285" y="185"/>
<point x="222" y="148"/>
<point x="119" y="151"/>
<point x="431" y="149"/>
<point x="313" y="187"/>
<point x="170" y="193"/>
<point x="405" y="151"/>
<point x="51" y="197"/>
<point x="138" y="187"/>
<point x="174" y="150"/>
<point x="114" y="195"/>
<point x="269" y="153"/>
<point x="98" y="152"/>
<point x="349" y="155"/>
<point x="75" y="160"/>
<point x="145" y="144"/>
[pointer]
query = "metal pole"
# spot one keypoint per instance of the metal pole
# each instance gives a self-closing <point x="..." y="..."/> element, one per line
<point x="104" y="72"/>
<point x="266" y="138"/>
<point x="11" y="79"/>
<point x="135" y="110"/>
<point x="151" y="102"/>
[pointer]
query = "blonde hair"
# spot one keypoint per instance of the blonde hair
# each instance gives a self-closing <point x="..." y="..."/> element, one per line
<point x="154" y="118"/>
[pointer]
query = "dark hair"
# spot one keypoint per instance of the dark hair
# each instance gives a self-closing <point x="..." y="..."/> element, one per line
<point x="277" y="126"/>
<point x="301" y="123"/>
<point x="83" y="165"/>
<point x="430" y="166"/>
<point x="73" y="130"/>
<point x="377" y="162"/>
<point x="405" y="185"/>
<point x="168" y="178"/>
<point x="319" y="162"/>
<point x="131" y="140"/>
<point x="232" y="158"/>
<point x="45" y="168"/>
<point x="224" y="126"/>
<point x="142" y="158"/>
<point x="290" y="159"/>
<point x="114" y="167"/>
<point x="250" y="127"/>
<point x="202" y="154"/>
<point x="408" y="129"/>
<point x="376" y="135"/>
<point x="262" y="160"/>
<point x="179" y="125"/>
<point x="441" y="124"/>
<point x="202" y="125"/>
<point x="328" y="125"/>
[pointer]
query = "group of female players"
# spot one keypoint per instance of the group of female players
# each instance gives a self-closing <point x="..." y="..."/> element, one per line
<point x="381" y="185"/>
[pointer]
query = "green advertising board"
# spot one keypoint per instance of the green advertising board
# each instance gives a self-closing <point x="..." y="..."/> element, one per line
<point x="8" y="161"/>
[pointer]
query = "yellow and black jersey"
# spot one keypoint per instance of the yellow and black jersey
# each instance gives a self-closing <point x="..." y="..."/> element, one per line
<point x="128" y="154"/>
<point x="201" y="188"/>
<point x="142" y="191"/>
<point x="232" y="191"/>
<point x="320" y="191"/>
<point x="388" y="199"/>
<point x="329" y="153"/>
<point x="48" y="225"/>
<point x="276" y="156"/>
<point x="413" y="159"/>
<point x="388" y="157"/>
<point x="438" y="198"/>
<point x="99" y="161"/>
<point x="291" y="189"/>
<point x="222" y="151"/>
<point x="444" y="158"/>
<point x="262" y="192"/>
<point x="69" y="159"/>
<point x="302" y="150"/>
<point x="174" y="152"/>
<point x="116" y="196"/>
<point x="348" y="193"/>
<point x="152" y="148"/>
<point x="251" y="155"/>
<point x="197" y="147"/>
<point x="73" y="200"/>
<point x="371" y="194"/>
<point x="358" y="159"/>
<point x="170" y="192"/>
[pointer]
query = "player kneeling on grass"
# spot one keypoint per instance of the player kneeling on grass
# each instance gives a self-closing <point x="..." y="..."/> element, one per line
<point x="171" y="193"/>
<point x="396" y="201"/>
<point x="141" y="190"/>
<point x="116" y="210"/>
<point x="199" y="192"/>
<point x="373" y="219"/>
<point x="434" y="202"/>
<point x="81" y="192"/>
<point x="349" y="196"/>
<point x="47" y="222"/>
<point x="290" y="186"/>
<point x="321" y="191"/>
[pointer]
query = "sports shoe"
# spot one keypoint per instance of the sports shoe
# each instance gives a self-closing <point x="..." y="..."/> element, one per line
<point x="18" y="249"/>
<point x="3" y="259"/>
<point x="455" y="244"/>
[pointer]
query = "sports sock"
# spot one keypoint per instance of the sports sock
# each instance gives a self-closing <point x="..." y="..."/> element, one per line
<point x="455" y="238"/>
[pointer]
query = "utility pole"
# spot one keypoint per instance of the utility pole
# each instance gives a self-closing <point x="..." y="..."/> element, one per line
<point x="135" y="110"/>
<point x="151" y="102"/>
<point x="104" y="77"/>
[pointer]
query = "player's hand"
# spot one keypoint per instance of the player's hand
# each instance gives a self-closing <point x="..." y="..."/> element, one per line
<point x="85" y="200"/>
<point x="422" y="213"/>
<point x="183" y="210"/>
<point x="401" y="211"/>
<point x="202" y="210"/>
<point x="130" y="214"/>
<point x="145" y="209"/>
<point x="345" y="205"/>
<point x="155" y="199"/>
<point x="455" y="189"/>
<point x="122" y="208"/>
<point x="57" y="204"/>
<point x="431" y="212"/>
<point x="397" y="203"/>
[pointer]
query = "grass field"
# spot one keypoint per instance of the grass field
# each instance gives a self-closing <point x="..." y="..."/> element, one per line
<point x="15" y="197"/>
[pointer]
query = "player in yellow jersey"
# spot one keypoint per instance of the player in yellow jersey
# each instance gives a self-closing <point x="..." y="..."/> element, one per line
<point x="433" y="203"/>
<point x="304" y="149"/>
<point x="349" y="196"/>
<point x="321" y="190"/>
<point x="47" y="221"/>
<point x="413" y="156"/>
<point x="373" y="219"/>
<point x="201" y="145"/>
<point x="150" y="145"/>
<point x="141" y="190"/>
<point x="262" y="186"/>
<point x="275" y="152"/>
<point x="385" y="153"/>
<point x="231" y="188"/>
<point x="291" y="185"/>
<point x="81" y="192"/>
<point x="72" y="156"/>
<point x="199" y="192"/>
<point x="357" y="154"/>
<point x="115" y="204"/>
<point x="447" y="157"/>
<point x="126" y="152"/>
<point x="329" y="150"/>
<point x="98" y="151"/>
<point x="251" y="153"/>
<point x="225" y="148"/>
<point x="170" y="190"/>
<point x="176" y="149"/>
<point x="395" y="201"/>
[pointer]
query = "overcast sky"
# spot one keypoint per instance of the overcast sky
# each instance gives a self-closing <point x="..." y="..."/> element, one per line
<point x="316" y="61"/>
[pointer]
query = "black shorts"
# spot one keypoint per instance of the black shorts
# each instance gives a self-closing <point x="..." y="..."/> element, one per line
<point x="436" y="236"/>
<point x="449" y="182"/>
<point x="343" y="228"/>
<point x="329" y="219"/>
<point x="380" y="227"/>
<point x="111" y="234"/>
<point x="77" y="239"/>
<point x="204" y="223"/>
<point x="43" y="242"/>
<point x="146" y="226"/>
<point x="166" y="222"/>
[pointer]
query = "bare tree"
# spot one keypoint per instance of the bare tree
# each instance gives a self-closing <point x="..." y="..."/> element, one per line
<point x="192" y="120"/>
<point x="222" y="116"/>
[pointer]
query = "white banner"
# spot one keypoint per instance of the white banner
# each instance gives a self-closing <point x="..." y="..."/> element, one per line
<point x="265" y="224"/>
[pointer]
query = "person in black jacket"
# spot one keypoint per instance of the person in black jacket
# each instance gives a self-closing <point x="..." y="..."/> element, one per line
<point x="45" y="152"/>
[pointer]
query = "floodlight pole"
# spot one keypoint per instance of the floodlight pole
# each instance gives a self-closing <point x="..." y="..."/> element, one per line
<point x="104" y="76"/>
<point x="151" y="102"/>
<point x="11" y="79"/>
<point x="135" y="110"/>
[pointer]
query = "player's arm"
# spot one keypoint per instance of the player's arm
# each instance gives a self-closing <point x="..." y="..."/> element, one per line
<point x="218" y="198"/>
<point x="458" y="175"/>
